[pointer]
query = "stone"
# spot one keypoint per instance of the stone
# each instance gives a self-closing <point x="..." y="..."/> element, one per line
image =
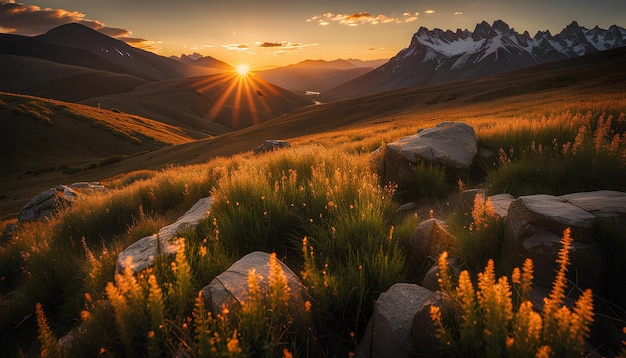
<point x="272" y="145"/>
<point x="47" y="203"/>
<point x="535" y="224"/>
<point x="430" y="239"/>
<point x="230" y="288"/>
<point x="388" y="333"/>
<point x="451" y="144"/>
<point x="141" y="254"/>
<point x="431" y="279"/>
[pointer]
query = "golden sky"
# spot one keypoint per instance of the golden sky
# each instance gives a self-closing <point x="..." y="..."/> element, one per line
<point x="279" y="32"/>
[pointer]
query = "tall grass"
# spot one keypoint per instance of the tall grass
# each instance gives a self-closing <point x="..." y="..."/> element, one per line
<point x="561" y="154"/>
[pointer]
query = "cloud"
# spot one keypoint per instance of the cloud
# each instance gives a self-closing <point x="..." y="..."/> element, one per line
<point x="362" y="18"/>
<point x="284" y="45"/>
<point x="30" y="20"/>
<point x="458" y="13"/>
<point x="243" y="47"/>
<point x="429" y="12"/>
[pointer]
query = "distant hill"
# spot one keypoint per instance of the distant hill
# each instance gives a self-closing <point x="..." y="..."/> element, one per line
<point x="43" y="132"/>
<point x="214" y="104"/>
<point x="317" y="75"/>
<point x="43" y="141"/>
<point x="436" y="56"/>
<point x="72" y="83"/>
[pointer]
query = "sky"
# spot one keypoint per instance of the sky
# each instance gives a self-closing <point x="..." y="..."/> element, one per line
<point x="265" y="33"/>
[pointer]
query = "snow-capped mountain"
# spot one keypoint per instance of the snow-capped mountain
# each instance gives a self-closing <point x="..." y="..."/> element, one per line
<point x="436" y="56"/>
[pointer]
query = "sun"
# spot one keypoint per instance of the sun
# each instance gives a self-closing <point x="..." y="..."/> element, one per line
<point x="243" y="69"/>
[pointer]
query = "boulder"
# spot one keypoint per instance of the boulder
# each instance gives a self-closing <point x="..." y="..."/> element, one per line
<point x="47" y="203"/>
<point x="431" y="279"/>
<point x="430" y="239"/>
<point x="141" y="254"/>
<point x="423" y="331"/>
<point x="451" y="144"/>
<point x="230" y="288"/>
<point x="272" y="145"/>
<point x="535" y="224"/>
<point x="388" y="332"/>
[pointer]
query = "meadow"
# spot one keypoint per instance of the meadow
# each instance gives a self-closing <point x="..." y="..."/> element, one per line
<point x="321" y="209"/>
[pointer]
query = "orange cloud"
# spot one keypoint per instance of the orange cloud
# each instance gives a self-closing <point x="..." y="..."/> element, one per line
<point x="362" y="18"/>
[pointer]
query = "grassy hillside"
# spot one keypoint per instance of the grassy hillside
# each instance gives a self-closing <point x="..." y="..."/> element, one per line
<point x="44" y="141"/>
<point x="45" y="78"/>
<point x="318" y="205"/>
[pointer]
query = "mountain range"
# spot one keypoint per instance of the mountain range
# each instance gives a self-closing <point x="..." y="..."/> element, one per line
<point x="436" y="56"/>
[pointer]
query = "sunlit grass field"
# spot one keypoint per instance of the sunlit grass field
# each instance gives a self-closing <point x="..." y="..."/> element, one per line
<point x="318" y="206"/>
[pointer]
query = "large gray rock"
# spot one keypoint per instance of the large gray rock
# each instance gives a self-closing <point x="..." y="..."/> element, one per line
<point x="388" y="333"/>
<point x="535" y="224"/>
<point x="141" y="254"/>
<point x="451" y="144"/>
<point x="47" y="203"/>
<point x="230" y="288"/>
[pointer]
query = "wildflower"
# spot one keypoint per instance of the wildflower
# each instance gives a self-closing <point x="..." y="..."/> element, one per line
<point x="233" y="344"/>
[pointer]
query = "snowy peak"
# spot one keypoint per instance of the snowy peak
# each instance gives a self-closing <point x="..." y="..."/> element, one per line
<point x="499" y="42"/>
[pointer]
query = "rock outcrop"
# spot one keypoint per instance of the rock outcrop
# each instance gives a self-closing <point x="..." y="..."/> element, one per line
<point x="451" y="144"/>
<point x="388" y="332"/>
<point x="271" y="145"/>
<point x="141" y="254"/>
<point x="47" y="203"/>
<point x="535" y="225"/>
<point x="430" y="239"/>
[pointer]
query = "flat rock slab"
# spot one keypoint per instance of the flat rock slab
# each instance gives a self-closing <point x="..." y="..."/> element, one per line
<point x="140" y="255"/>
<point x="602" y="203"/>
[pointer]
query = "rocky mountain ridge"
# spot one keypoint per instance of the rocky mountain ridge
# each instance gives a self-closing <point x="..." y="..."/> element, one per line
<point x="436" y="56"/>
